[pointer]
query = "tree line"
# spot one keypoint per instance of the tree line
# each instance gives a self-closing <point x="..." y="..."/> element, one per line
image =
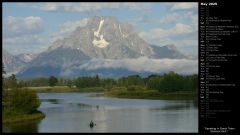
<point x="167" y="82"/>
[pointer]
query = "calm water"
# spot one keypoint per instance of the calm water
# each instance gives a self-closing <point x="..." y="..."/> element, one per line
<point x="72" y="112"/>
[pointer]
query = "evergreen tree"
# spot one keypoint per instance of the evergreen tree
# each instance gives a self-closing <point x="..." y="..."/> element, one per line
<point x="52" y="81"/>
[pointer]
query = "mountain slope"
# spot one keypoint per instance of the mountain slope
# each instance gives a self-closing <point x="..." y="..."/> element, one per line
<point x="167" y="51"/>
<point x="106" y="37"/>
<point x="103" y="37"/>
<point x="25" y="57"/>
<point x="11" y="64"/>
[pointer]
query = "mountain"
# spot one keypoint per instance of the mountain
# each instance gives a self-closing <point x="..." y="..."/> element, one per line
<point x="167" y="51"/>
<point x="106" y="37"/>
<point x="103" y="37"/>
<point x="11" y="64"/>
<point x="26" y="57"/>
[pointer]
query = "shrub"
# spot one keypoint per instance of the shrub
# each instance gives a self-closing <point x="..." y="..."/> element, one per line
<point x="52" y="81"/>
<point x="131" y="88"/>
<point x="21" y="100"/>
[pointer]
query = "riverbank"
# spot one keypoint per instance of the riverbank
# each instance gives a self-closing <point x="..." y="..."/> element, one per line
<point x="135" y="92"/>
<point x="64" y="89"/>
<point x="16" y="117"/>
<point x="142" y="93"/>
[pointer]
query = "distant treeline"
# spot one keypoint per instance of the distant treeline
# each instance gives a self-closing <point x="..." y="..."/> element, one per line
<point x="167" y="82"/>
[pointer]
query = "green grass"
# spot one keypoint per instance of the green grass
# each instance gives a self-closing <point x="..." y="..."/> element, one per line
<point x="124" y="92"/>
<point x="65" y="89"/>
<point x="13" y="116"/>
<point x="150" y="94"/>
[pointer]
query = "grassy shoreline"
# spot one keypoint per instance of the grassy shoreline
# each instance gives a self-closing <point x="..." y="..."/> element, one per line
<point x="164" y="96"/>
<point x="64" y="89"/>
<point x="123" y="92"/>
<point x="14" y="117"/>
<point x="152" y="94"/>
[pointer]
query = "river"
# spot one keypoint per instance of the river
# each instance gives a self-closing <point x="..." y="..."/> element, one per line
<point x="72" y="112"/>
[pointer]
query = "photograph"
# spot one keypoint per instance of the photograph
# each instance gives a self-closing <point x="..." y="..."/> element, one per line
<point x="100" y="67"/>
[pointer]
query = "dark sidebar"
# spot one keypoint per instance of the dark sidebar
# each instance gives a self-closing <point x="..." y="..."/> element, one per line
<point x="218" y="67"/>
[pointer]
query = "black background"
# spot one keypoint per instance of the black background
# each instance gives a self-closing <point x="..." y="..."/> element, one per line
<point x="230" y="70"/>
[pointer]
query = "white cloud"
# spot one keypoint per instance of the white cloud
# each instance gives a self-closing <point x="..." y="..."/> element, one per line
<point x="174" y="17"/>
<point x="33" y="22"/>
<point x="143" y="64"/>
<point x="49" y="7"/>
<point x="183" y="36"/>
<point x="183" y="6"/>
<point x="171" y="18"/>
<point x="17" y="26"/>
<point x="68" y="27"/>
<point x="160" y="33"/>
<point x="91" y="6"/>
<point x="26" y="44"/>
<point x="26" y="39"/>
<point x="182" y="29"/>
<point x="20" y="34"/>
<point x="194" y="20"/>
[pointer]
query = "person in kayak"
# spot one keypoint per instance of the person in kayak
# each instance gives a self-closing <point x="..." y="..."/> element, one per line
<point x="92" y="124"/>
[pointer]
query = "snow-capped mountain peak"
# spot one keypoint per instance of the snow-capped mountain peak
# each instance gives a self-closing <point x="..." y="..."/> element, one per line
<point x="99" y="40"/>
<point x="103" y="37"/>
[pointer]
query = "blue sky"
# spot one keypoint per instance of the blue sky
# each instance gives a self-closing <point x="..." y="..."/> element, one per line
<point x="32" y="27"/>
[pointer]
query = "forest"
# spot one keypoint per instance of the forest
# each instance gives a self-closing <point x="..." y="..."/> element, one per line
<point x="168" y="82"/>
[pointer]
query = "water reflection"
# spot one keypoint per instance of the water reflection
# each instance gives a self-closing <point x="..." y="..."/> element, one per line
<point x="53" y="101"/>
<point x="72" y="112"/>
<point x="171" y="107"/>
<point x="27" y="127"/>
